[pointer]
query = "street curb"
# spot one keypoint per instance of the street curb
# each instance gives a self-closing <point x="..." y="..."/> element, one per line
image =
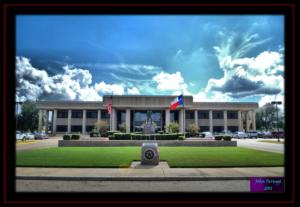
<point x="108" y="178"/>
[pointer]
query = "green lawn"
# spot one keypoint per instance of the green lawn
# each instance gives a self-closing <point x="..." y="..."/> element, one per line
<point x="123" y="156"/>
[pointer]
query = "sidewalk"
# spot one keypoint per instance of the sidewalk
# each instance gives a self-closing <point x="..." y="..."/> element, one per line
<point x="138" y="172"/>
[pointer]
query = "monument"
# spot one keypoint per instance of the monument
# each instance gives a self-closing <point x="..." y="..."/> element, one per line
<point x="150" y="154"/>
<point x="149" y="126"/>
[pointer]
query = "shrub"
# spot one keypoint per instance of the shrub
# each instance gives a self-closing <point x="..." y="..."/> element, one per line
<point x="227" y="138"/>
<point x="160" y="132"/>
<point x="181" y="138"/>
<point x="192" y="129"/>
<point x="122" y="127"/>
<point x="111" y="137"/>
<point x="94" y="134"/>
<point x="75" y="136"/>
<point x="173" y="127"/>
<point x="218" y="137"/>
<point x="66" y="137"/>
<point x="102" y="126"/>
<point x="122" y="136"/>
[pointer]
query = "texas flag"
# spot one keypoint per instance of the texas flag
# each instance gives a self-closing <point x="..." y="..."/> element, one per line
<point x="109" y="107"/>
<point x="178" y="101"/>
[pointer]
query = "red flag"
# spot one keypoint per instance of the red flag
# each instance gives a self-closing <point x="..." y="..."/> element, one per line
<point x="109" y="107"/>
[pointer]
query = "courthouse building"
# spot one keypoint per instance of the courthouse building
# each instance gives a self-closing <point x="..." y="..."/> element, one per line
<point x="80" y="116"/>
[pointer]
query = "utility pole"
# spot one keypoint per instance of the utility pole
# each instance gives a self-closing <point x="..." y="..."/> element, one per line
<point x="277" y="103"/>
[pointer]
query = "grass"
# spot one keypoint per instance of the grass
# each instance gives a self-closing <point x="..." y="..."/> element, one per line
<point x="112" y="157"/>
<point x="271" y="141"/>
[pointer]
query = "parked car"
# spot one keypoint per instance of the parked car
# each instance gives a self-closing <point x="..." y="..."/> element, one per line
<point x="252" y="134"/>
<point x="267" y="135"/>
<point x="279" y="134"/>
<point x="240" y="135"/>
<point x="40" y="135"/>
<point x="208" y="135"/>
<point x="29" y="135"/>
<point x="260" y="134"/>
<point x="20" y="136"/>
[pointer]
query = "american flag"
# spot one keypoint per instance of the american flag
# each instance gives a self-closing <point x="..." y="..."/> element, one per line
<point x="109" y="107"/>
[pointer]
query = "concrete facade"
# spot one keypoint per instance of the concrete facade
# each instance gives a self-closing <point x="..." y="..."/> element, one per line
<point x="80" y="116"/>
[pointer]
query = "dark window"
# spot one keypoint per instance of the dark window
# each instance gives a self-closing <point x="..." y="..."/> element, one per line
<point x="189" y="114"/>
<point x="61" y="128"/>
<point x="174" y="116"/>
<point x="104" y="114"/>
<point x="218" y="114"/>
<point x="89" y="128"/>
<point x="218" y="128"/>
<point x="76" y="114"/>
<point x="92" y="114"/>
<point x="232" y="115"/>
<point x="233" y="128"/>
<point x="203" y="115"/>
<point x="204" y="128"/>
<point x="76" y="128"/>
<point x="62" y="114"/>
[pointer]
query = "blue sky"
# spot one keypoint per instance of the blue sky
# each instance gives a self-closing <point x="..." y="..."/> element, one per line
<point x="212" y="57"/>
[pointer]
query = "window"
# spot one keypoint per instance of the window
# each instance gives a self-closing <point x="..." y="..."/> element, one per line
<point x="76" y="128"/>
<point x="233" y="128"/>
<point x="62" y="114"/>
<point x="203" y="115"/>
<point x="76" y="114"/>
<point x="232" y="115"/>
<point x="204" y="128"/>
<point x="218" y="114"/>
<point x="218" y="128"/>
<point x="189" y="114"/>
<point x="89" y="128"/>
<point x="61" y="128"/>
<point x="92" y="114"/>
<point x="104" y="114"/>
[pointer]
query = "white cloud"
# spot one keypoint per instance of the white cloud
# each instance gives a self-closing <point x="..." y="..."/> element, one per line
<point x="133" y="91"/>
<point x="104" y="88"/>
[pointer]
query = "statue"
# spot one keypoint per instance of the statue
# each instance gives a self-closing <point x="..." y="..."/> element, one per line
<point x="149" y="127"/>
<point x="149" y="116"/>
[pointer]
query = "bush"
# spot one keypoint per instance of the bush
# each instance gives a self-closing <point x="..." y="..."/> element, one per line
<point x="122" y="136"/>
<point x="173" y="127"/>
<point x="160" y="132"/>
<point x="227" y="138"/>
<point x="94" y="134"/>
<point x="66" y="137"/>
<point x="122" y="127"/>
<point x="111" y="137"/>
<point x="181" y="138"/>
<point x="102" y="126"/>
<point x="218" y="137"/>
<point x="75" y="136"/>
<point x="192" y="129"/>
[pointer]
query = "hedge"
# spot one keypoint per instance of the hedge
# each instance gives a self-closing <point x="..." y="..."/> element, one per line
<point x="75" y="136"/>
<point x="122" y="136"/>
<point x="71" y="136"/>
<point x="226" y="138"/>
<point x="66" y="137"/>
<point x="218" y="137"/>
<point x="135" y="136"/>
<point x="94" y="134"/>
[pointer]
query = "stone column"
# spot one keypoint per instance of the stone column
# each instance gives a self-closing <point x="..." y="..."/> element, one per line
<point x="47" y="118"/>
<point x="211" y="121"/>
<point x="167" y="116"/>
<point x="114" y="119"/>
<point x="225" y="120"/>
<point x="40" y="120"/>
<point x="196" y="117"/>
<point x="247" y="122"/>
<point x="84" y="121"/>
<point x="99" y="115"/>
<point x="240" y="121"/>
<point x="54" y="121"/>
<point x="254" y="120"/>
<point x="127" y="121"/>
<point x="181" y="117"/>
<point x="69" y="120"/>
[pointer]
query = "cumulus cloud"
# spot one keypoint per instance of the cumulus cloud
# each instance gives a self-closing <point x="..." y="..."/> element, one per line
<point x="171" y="82"/>
<point x="133" y="91"/>
<point x="73" y="84"/>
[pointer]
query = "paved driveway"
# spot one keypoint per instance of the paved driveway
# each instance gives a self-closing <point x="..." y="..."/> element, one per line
<point x="45" y="143"/>
<point x="254" y="144"/>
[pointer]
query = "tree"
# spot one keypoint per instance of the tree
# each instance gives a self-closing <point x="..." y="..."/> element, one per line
<point x="266" y="117"/>
<point x="101" y="126"/>
<point x="193" y="129"/>
<point x="28" y="119"/>
<point x="173" y="127"/>
<point x="122" y="127"/>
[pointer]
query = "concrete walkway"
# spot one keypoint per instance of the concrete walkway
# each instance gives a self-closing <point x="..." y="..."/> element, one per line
<point x="138" y="172"/>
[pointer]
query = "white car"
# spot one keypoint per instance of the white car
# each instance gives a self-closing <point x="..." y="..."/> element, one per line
<point x="29" y="135"/>
<point x="208" y="135"/>
<point x="240" y="135"/>
<point x="20" y="136"/>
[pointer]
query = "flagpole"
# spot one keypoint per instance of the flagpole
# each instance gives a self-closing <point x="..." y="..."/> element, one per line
<point x="183" y="114"/>
<point x="111" y="113"/>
